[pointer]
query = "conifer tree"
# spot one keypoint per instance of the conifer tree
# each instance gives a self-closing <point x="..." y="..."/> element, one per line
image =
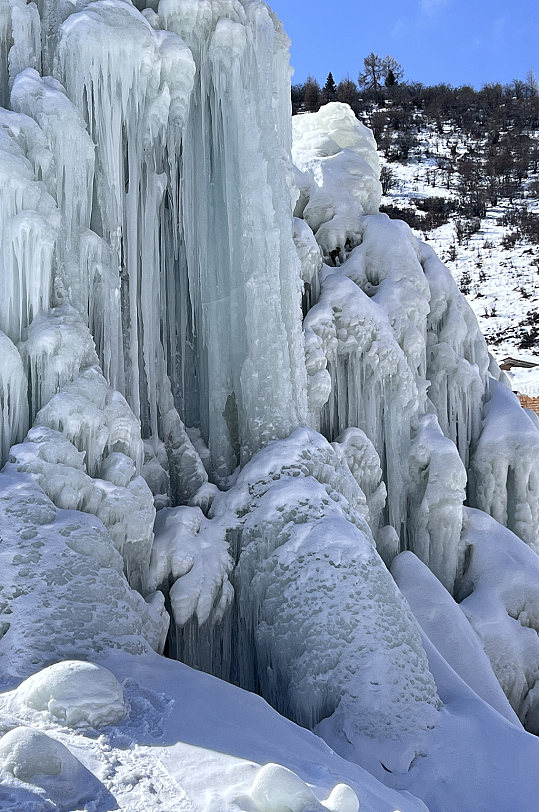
<point x="330" y="88"/>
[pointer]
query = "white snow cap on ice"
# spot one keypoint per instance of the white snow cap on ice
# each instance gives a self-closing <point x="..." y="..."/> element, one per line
<point x="72" y="693"/>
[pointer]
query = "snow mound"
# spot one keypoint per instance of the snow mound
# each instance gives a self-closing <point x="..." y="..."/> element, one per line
<point x="277" y="789"/>
<point x="38" y="760"/>
<point x="74" y="693"/>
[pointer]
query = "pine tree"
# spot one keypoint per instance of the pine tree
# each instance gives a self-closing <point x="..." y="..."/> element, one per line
<point x="330" y="88"/>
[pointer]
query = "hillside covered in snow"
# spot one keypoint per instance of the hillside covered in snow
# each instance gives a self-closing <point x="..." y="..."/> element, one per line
<point x="269" y="509"/>
<point x="461" y="167"/>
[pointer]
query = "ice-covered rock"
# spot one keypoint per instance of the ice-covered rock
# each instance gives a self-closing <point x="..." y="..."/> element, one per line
<point x="190" y="556"/>
<point x="437" y="491"/>
<point x="340" y="153"/>
<point x="72" y="693"/>
<point x="319" y="624"/>
<point x="364" y="464"/>
<point x="126" y="511"/>
<point x="98" y="421"/>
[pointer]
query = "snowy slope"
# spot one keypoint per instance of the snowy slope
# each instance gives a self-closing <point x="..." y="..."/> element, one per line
<point x="498" y="275"/>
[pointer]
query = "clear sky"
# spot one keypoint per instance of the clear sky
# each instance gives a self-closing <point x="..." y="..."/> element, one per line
<point x="454" y="41"/>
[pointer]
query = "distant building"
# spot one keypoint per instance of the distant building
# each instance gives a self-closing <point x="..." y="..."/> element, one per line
<point x="527" y="401"/>
<point x="509" y="363"/>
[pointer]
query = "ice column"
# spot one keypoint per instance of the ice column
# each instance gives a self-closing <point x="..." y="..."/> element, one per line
<point x="243" y="326"/>
<point x="435" y="502"/>
<point x="132" y="84"/>
<point x="13" y="397"/>
<point x="29" y="224"/>
<point x="504" y="481"/>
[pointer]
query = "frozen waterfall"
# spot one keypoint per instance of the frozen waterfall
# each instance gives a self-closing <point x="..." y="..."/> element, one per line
<point x="227" y="377"/>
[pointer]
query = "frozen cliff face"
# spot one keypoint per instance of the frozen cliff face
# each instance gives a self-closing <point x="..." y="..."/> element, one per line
<point x="155" y="181"/>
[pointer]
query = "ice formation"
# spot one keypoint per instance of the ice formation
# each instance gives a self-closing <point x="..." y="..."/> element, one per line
<point x="499" y="595"/>
<point x="63" y="591"/>
<point x="503" y="474"/>
<point x="234" y="394"/>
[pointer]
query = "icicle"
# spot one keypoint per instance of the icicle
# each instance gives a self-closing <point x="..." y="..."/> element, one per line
<point x="13" y="397"/>
<point x="28" y="226"/>
<point x="504" y="481"/>
<point x="26" y="33"/>
<point x="436" y="497"/>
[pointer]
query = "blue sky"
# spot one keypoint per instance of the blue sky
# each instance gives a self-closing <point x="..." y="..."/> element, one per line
<point x="454" y="41"/>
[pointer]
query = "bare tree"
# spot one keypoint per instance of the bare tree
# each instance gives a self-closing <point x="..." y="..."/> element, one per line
<point x="347" y="92"/>
<point x="533" y="85"/>
<point x="377" y="69"/>
<point x="311" y="95"/>
<point x="392" y="71"/>
<point x="373" y="72"/>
